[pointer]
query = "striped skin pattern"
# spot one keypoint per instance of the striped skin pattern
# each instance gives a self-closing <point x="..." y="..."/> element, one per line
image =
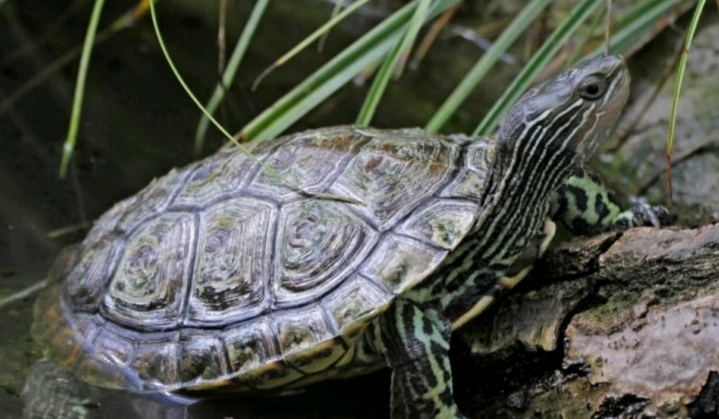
<point x="220" y="278"/>
<point x="419" y="361"/>
<point x="544" y="138"/>
<point x="587" y="207"/>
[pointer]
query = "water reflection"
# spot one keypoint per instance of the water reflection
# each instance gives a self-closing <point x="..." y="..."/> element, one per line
<point x="51" y="392"/>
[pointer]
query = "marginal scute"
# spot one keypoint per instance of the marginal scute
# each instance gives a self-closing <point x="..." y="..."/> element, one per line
<point x="320" y="243"/>
<point x="348" y="356"/>
<point x="86" y="283"/>
<point x="214" y="178"/>
<point x="233" y="262"/>
<point x="277" y="376"/>
<point x="317" y="358"/>
<point x="399" y="263"/>
<point x="249" y="346"/>
<point x="301" y="329"/>
<point x="442" y="223"/>
<point x="469" y="180"/>
<point x="467" y="184"/>
<point x="391" y="176"/>
<point x="148" y="287"/>
<point x="153" y="199"/>
<point x="479" y="155"/>
<point x="156" y="363"/>
<point x="115" y="344"/>
<point x="202" y="358"/>
<point x="106" y="354"/>
<point x="107" y="225"/>
<point x="65" y="335"/>
<point x="354" y="304"/>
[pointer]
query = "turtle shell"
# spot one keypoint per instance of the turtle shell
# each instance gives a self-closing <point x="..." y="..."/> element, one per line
<point x="220" y="275"/>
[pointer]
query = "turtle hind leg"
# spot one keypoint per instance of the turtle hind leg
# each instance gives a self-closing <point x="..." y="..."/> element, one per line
<point x="415" y="344"/>
<point x="587" y="207"/>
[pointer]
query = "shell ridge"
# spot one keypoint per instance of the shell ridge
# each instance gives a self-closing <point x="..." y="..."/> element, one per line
<point x="345" y="163"/>
<point x="274" y="340"/>
<point x="459" y="164"/>
<point x="112" y="267"/>
<point x="275" y="256"/>
<point x="362" y="216"/>
<point x="191" y="280"/>
<point x="375" y="283"/>
<point x="255" y="167"/>
<point x="266" y="155"/>
<point x="272" y="255"/>
<point x="329" y="323"/>
<point x="183" y="177"/>
<point x="428" y="243"/>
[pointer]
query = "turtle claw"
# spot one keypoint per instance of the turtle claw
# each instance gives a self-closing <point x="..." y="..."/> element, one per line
<point x="641" y="214"/>
<point x="646" y="215"/>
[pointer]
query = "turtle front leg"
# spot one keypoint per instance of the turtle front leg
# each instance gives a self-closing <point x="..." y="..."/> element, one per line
<point x="415" y="345"/>
<point x="587" y="207"/>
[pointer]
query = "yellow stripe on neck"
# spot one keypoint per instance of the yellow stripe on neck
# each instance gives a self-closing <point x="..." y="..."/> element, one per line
<point x="507" y="282"/>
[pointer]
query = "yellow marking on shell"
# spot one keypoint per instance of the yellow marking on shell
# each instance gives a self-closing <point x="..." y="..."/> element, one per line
<point x="506" y="282"/>
<point x="335" y="373"/>
<point x="279" y="377"/>
<point x="242" y="382"/>
<point x="211" y="385"/>
<point x="347" y="357"/>
<point x="318" y="358"/>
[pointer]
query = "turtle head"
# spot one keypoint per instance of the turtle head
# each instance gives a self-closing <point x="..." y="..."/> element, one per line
<point x="556" y="125"/>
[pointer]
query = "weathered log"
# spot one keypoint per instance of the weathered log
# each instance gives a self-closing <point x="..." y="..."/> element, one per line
<point x="621" y="325"/>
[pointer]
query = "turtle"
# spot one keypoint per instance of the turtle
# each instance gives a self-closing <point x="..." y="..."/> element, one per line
<point x="369" y="250"/>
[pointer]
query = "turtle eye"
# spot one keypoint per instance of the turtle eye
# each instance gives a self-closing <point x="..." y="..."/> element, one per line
<point x="592" y="88"/>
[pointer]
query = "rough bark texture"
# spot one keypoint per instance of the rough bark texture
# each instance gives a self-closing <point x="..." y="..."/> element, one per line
<point x="621" y="325"/>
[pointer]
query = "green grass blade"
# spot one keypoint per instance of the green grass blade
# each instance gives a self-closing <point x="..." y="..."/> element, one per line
<point x="266" y="167"/>
<point x="677" y="89"/>
<point x="230" y="71"/>
<point x="535" y="65"/>
<point x="335" y="73"/>
<point x="338" y="7"/>
<point x="634" y="24"/>
<point x="582" y="42"/>
<point x="71" y="139"/>
<point x="310" y="39"/>
<point x="385" y="72"/>
<point x="127" y="20"/>
<point x="482" y="67"/>
<point x="49" y="32"/>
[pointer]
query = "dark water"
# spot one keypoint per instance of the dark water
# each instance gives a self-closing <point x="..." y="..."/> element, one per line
<point x="360" y="398"/>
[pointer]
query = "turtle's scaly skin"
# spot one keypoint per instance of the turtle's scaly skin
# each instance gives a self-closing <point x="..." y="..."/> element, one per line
<point x="222" y="277"/>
